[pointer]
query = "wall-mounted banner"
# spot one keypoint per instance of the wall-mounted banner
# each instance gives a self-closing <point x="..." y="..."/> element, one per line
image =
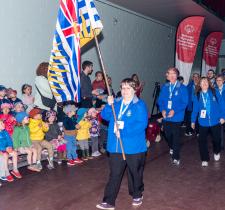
<point x="211" y="51"/>
<point x="187" y="38"/>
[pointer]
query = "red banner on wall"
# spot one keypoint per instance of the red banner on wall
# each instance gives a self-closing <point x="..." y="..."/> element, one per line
<point x="187" y="38"/>
<point x="211" y="51"/>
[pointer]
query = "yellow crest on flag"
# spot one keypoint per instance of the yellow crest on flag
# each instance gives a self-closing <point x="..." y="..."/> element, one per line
<point x="86" y="36"/>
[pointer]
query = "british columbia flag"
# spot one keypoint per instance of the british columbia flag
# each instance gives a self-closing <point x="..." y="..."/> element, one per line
<point x="74" y="28"/>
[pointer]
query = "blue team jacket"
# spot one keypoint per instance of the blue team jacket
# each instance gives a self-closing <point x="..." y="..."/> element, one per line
<point x="223" y="92"/>
<point x="191" y="92"/>
<point x="179" y="101"/>
<point x="135" y="122"/>
<point x="5" y="140"/>
<point x="217" y="110"/>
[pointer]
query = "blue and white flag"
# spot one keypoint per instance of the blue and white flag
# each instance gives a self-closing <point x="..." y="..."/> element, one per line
<point x="74" y="28"/>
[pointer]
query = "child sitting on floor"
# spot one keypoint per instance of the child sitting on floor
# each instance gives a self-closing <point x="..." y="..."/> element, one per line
<point x="83" y="133"/>
<point x="37" y="133"/>
<point x="7" y="118"/>
<point x="6" y="150"/>
<point x="54" y="135"/>
<point x="70" y="124"/>
<point x="22" y="142"/>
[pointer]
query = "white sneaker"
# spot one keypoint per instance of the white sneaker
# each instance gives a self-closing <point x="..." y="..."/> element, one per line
<point x="217" y="157"/>
<point x="148" y="143"/>
<point x="205" y="163"/>
<point x="158" y="138"/>
<point x="171" y="151"/>
<point x="176" y="162"/>
<point x="96" y="154"/>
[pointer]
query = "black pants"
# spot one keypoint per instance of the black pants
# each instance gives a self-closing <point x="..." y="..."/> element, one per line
<point x="203" y="143"/>
<point x="135" y="165"/>
<point x="222" y="136"/>
<point x="188" y="122"/>
<point x="172" y="132"/>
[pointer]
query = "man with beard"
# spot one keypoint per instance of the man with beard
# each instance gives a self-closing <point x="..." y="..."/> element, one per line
<point x="86" y="87"/>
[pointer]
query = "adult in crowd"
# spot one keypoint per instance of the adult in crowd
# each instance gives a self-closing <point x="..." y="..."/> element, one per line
<point x="44" y="98"/>
<point x="86" y="86"/>
<point x="223" y="73"/>
<point x="211" y="75"/>
<point x="139" y="85"/>
<point x="220" y="88"/>
<point x="210" y="109"/>
<point x="132" y="119"/>
<point x="173" y="99"/>
<point x="191" y="92"/>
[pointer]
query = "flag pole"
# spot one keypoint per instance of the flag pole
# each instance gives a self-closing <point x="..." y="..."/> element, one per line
<point x="109" y="91"/>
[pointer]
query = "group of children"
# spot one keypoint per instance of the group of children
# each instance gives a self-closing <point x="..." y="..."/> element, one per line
<point x="26" y="129"/>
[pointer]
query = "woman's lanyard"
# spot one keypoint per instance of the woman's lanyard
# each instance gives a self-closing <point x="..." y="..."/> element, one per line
<point x="171" y="89"/>
<point x="123" y="109"/>
<point x="205" y="99"/>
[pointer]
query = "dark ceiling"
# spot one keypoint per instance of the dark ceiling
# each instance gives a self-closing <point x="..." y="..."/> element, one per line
<point x="173" y="11"/>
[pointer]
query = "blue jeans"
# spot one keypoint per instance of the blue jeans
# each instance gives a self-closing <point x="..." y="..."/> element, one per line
<point x="71" y="147"/>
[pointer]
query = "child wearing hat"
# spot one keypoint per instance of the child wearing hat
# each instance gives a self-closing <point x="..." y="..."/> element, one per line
<point x="37" y="133"/>
<point x="12" y="96"/>
<point x="83" y="133"/>
<point x="70" y="124"/>
<point x="7" y="118"/>
<point x="3" y="98"/>
<point x="6" y="150"/>
<point x="22" y="142"/>
<point x="55" y="136"/>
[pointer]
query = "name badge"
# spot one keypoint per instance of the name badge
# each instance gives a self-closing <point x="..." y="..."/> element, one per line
<point x="203" y="113"/>
<point x="169" y="104"/>
<point x="120" y="125"/>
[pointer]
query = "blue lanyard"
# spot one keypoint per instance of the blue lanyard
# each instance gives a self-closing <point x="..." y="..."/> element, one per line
<point x="205" y="99"/>
<point x="123" y="109"/>
<point x="172" y="89"/>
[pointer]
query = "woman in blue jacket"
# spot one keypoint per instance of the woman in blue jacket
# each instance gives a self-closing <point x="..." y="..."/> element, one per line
<point x="132" y="118"/>
<point x="210" y="109"/>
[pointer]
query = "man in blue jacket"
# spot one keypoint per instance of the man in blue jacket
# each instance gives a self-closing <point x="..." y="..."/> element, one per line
<point x="191" y="92"/>
<point x="172" y="102"/>
<point x="132" y="119"/>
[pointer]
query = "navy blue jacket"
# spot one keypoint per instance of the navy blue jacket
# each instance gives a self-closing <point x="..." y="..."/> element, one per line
<point x="217" y="110"/>
<point x="179" y="101"/>
<point x="69" y="123"/>
<point x="135" y="122"/>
